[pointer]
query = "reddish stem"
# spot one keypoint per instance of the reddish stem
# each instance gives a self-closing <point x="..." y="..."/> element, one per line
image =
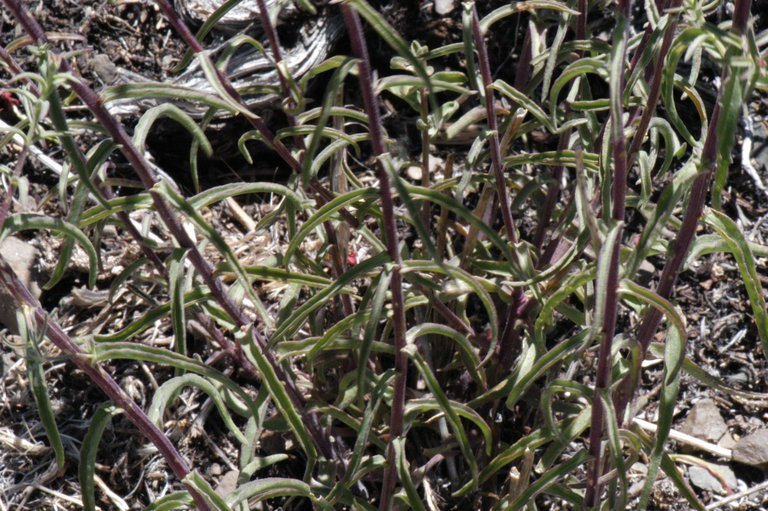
<point x="352" y="21"/>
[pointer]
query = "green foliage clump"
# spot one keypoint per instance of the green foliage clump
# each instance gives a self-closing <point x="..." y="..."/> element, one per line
<point x="473" y="336"/>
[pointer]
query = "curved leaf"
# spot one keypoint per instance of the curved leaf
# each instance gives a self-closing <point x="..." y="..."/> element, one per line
<point x="30" y="221"/>
<point x="87" y="470"/>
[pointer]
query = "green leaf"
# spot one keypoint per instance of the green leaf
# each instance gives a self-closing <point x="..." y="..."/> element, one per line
<point x="117" y="205"/>
<point x="195" y="481"/>
<point x="210" y="71"/>
<point x="566" y="158"/>
<point x="734" y="92"/>
<point x="218" y="241"/>
<point x="669" y="468"/>
<point x="615" y="446"/>
<point x="30" y="221"/>
<point x="674" y="355"/>
<point x="403" y="471"/>
<point x="745" y="260"/>
<point x="219" y="193"/>
<point x="36" y="376"/>
<point x="75" y="157"/>
<point x="665" y="207"/>
<point x="466" y="351"/>
<point x="450" y="414"/>
<point x="169" y="391"/>
<point x="421" y="405"/>
<point x="296" y="319"/>
<point x="377" y="308"/>
<point x="451" y="204"/>
<point x="176" y="295"/>
<point x="552" y="476"/>
<point x="394" y="40"/>
<point x="204" y="30"/>
<point x="604" y="262"/>
<point x="175" y="113"/>
<point x="525" y="101"/>
<point x="175" y="500"/>
<point x="280" y="397"/>
<point x="148" y="318"/>
<point x="532" y="441"/>
<point x="629" y="288"/>
<point x="707" y="244"/>
<point x="579" y="68"/>
<point x="87" y="470"/>
<point x="473" y="283"/>
<point x="554" y="51"/>
<point x="518" y="7"/>
<point x="329" y="100"/>
<point x="364" y="431"/>
<point x="165" y="91"/>
<point x="516" y="387"/>
<point x="139" y="352"/>
<point x="326" y="213"/>
<point x="268" y="488"/>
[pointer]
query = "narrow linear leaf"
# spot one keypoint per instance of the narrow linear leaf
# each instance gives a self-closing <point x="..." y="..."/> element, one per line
<point x="36" y="376"/>
<point x="674" y="354"/>
<point x="195" y="481"/>
<point x="30" y="221"/>
<point x="403" y="470"/>
<point x="450" y="414"/>
<point x="169" y="390"/>
<point x="280" y="398"/>
<point x="175" y="113"/>
<point x="549" y="478"/>
<point x="87" y="470"/>
<point x="745" y="260"/>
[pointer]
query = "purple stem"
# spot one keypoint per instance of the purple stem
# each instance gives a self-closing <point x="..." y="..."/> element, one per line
<point x="337" y="260"/>
<point x="509" y="345"/>
<point x="618" y="196"/>
<point x="490" y="108"/>
<point x="655" y="93"/>
<point x="581" y="24"/>
<point x="685" y="235"/>
<point x="352" y="21"/>
<point x="101" y="378"/>
<point x="165" y="212"/>
<point x="186" y="35"/>
<point x="274" y="44"/>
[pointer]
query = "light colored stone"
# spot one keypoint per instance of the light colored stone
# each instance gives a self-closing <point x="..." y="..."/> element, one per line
<point x="727" y="442"/>
<point x="705" y="422"/>
<point x="23" y="259"/>
<point x="752" y="449"/>
<point x="436" y="164"/>
<point x="228" y="483"/>
<point x="414" y="172"/>
<point x="703" y="479"/>
<point x="443" y="7"/>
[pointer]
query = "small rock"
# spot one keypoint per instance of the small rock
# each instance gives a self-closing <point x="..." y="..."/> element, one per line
<point x="639" y="468"/>
<point x="23" y="258"/>
<point x="228" y="484"/>
<point x="645" y="272"/>
<point x="705" y="422"/>
<point x="703" y="479"/>
<point x="168" y="62"/>
<point x="104" y="68"/>
<point x="436" y="164"/>
<point x="752" y="449"/>
<point x="414" y="172"/>
<point x="727" y="442"/>
<point x="443" y="7"/>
